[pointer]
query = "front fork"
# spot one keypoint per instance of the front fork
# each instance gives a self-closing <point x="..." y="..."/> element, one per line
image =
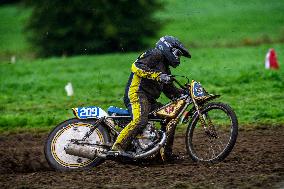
<point x="208" y="128"/>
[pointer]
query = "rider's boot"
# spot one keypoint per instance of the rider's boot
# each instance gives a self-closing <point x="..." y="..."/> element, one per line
<point x="118" y="148"/>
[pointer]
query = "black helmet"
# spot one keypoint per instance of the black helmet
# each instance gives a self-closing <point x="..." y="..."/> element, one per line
<point x="172" y="49"/>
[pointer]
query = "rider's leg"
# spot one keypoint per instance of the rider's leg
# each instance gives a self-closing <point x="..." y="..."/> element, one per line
<point x="155" y="105"/>
<point x="139" y="109"/>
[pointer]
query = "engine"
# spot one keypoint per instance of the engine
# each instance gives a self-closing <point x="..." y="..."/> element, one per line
<point x="147" y="138"/>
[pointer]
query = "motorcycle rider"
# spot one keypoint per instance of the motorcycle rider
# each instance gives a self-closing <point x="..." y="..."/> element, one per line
<point x="150" y="75"/>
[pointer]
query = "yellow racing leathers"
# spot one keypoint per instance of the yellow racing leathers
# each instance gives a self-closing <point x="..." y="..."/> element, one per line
<point x="142" y="91"/>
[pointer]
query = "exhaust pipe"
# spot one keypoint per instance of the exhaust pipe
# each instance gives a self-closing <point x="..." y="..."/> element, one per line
<point x="91" y="152"/>
<point x="84" y="151"/>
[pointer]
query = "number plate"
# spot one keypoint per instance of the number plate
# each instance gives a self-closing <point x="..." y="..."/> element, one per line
<point x="197" y="90"/>
<point x="87" y="112"/>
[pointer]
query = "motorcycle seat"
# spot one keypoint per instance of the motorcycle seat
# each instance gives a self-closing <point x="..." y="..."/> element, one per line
<point x="117" y="111"/>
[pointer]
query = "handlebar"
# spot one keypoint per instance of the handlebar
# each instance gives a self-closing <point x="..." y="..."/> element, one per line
<point x="177" y="82"/>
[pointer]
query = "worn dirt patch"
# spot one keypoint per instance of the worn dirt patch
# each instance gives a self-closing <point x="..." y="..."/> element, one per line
<point x="257" y="161"/>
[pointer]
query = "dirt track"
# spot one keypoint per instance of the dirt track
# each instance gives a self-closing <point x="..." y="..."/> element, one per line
<point x="257" y="161"/>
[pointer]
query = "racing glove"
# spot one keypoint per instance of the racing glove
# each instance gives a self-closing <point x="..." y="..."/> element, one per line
<point x="165" y="78"/>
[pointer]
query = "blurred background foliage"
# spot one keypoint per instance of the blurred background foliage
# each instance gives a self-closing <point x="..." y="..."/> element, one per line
<point x="3" y="2"/>
<point x="197" y="23"/>
<point x="64" y="27"/>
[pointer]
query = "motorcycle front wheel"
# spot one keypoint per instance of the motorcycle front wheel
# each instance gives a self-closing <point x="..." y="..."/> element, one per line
<point x="214" y="142"/>
<point x="62" y="134"/>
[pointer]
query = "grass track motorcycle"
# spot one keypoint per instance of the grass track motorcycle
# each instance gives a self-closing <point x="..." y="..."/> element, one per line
<point x="84" y="141"/>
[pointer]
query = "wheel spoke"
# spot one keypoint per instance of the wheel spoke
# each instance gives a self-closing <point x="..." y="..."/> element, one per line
<point x="214" y="155"/>
<point x="207" y="145"/>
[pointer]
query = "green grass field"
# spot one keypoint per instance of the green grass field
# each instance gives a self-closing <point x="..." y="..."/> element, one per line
<point x="32" y="90"/>
<point x="224" y="23"/>
<point x="32" y="93"/>
<point x="12" y="33"/>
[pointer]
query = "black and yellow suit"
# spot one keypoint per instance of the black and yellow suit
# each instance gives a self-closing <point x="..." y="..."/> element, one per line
<point x="142" y="90"/>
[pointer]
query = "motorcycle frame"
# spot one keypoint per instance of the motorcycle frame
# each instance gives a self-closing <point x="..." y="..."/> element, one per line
<point x="114" y="131"/>
<point x="189" y="99"/>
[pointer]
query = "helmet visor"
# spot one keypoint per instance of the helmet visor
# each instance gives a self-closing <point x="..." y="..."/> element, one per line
<point x="177" y="53"/>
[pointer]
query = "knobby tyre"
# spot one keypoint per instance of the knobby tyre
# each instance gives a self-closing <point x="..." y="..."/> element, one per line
<point x="215" y="144"/>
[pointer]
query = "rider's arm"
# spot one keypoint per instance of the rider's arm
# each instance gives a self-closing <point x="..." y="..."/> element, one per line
<point x="141" y="66"/>
<point x="142" y="70"/>
<point x="171" y="91"/>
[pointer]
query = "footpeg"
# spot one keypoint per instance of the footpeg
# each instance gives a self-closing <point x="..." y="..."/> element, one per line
<point x="118" y="155"/>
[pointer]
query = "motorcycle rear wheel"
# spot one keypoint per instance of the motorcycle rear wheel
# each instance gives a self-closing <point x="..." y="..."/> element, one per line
<point x="215" y="144"/>
<point x="58" y="138"/>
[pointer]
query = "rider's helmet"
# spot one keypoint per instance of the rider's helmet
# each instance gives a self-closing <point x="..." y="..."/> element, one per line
<point x="172" y="49"/>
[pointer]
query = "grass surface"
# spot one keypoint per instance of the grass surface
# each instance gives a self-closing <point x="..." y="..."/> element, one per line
<point x="32" y="91"/>
<point x="224" y="23"/>
<point x="12" y="36"/>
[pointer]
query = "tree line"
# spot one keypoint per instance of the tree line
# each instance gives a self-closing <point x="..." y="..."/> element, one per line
<point x="72" y="27"/>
